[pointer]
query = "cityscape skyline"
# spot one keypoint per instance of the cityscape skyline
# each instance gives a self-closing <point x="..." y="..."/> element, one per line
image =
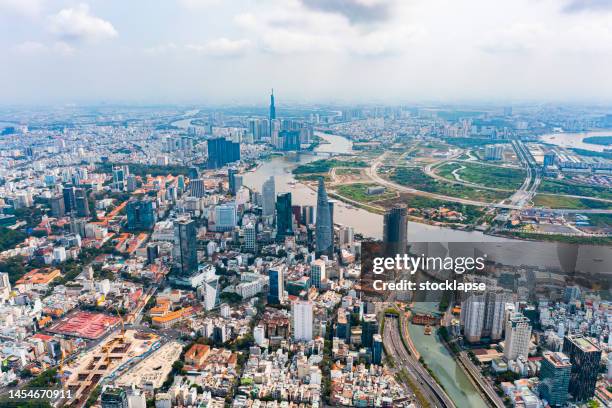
<point x="207" y="51"/>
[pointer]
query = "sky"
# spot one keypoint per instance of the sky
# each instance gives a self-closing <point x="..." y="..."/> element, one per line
<point x="311" y="51"/>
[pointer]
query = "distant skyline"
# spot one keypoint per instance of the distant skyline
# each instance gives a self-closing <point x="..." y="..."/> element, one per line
<point x="311" y="51"/>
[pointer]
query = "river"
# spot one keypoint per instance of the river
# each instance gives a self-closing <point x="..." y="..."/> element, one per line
<point x="455" y="382"/>
<point x="362" y="221"/>
<point x="575" y="140"/>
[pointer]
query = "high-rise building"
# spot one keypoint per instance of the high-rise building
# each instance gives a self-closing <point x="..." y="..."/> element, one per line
<point x="284" y="216"/>
<point x="518" y="335"/>
<point x="585" y="358"/>
<point x="495" y="312"/>
<point x="289" y="140"/>
<point x="185" y="252"/>
<point x="345" y="236"/>
<point x="225" y="217"/>
<point x="69" y="199"/>
<point x="250" y="238"/>
<point x="114" y="398"/>
<point x="276" y="285"/>
<point x="377" y="349"/>
<point x="57" y="206"/>
<point x="395" y="230"/>
<point x="472" y="317"/>
<point x="307" y="215"/>
<point x="301" y="312"/>
<point x="197" y="188"/>
<point x="549" y="159"/>
<point x="494" y="152"/>
<point x="323" y="231"/>
<point x="120" y="174"/>
<point x="231" y="173"/>
<point x="268" y="192"/>
<point x="140" y="214"/>
<point x="152" y="252"/>
<point x="369" y="327"/>
<point x="131" y="183"/>
<point x="554" y="378"/>
<point x="221" y="152"/>
<point x="82" y="202"/>
<point x="317" y="273"/>
<point x="272" y="107"/>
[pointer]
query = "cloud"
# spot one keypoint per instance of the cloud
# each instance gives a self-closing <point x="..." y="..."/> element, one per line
<point x="32" y="48"/>
<point x="518" y="38"/>
<point x="357" y="11"/>
<point x="160" y="49"/>
<point x="197" y="4"/>
<point x="576" y="6"/>
<point x="76" y="24"/>
<point x="221" y="47"/>
<point x="28" y="8"/>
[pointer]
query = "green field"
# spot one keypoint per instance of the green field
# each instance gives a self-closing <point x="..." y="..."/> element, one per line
<point x="357" y="192"/>
<point x="464" y="142"/>
<point x="566" y="187"/>
<point x="415" y="178"/>
<point x="572" y="203"/>
<point x="348" y="172"/>
<point x="488" y="176"/>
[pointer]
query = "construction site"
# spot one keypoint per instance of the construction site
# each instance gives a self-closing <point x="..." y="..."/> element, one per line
<point x="115" y="354"/>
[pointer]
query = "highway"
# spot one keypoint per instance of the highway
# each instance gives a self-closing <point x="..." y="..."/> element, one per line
<point x="484" y="386"/>
<point x="430" y="389"/>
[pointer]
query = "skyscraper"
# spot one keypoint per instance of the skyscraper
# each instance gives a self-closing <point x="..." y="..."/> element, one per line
<point x="585" y="358"/>
<point x="57" y="206"/>
<point x="272" y="107"/>
<point x="307" y="215"/>
<point x="268" y="192"/>
<point x="301" y="311"/>
<point x="225" y="217"/>
<point x="317" y="273"/>
<point x="81" y="201"/>
<point x="140" y="214"/>
<point x="120" y="174"/>
<point x="518" y="334"/>
<point x="250" y="238"/>
<point x="284" y="216"/>
<point x="289" y="139"/>
<point x="221" y="152"/>
<point x="369" y="327"/>
<point x="377" y="349"/>
<point x="69" y="199"/>
<point x="231" y="177"/>
<point x="554" y="378"/>
<point x="277" y="285"/>
<point x="395" y="230"/>
<point x="323" y="230"/>
<point x="472" y="317"/>
<point x="185" y="253"/>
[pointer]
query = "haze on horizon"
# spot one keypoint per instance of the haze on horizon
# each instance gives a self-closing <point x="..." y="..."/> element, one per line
<point x="225" y="51"/>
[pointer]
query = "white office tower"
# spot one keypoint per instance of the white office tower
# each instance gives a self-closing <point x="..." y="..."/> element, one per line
<point x="210" y="292"/>
<point x="225" y="217"/>
<point x="317" y="273"/>
<point x="518" y="334"/>
<point x="268" y="193"/>
<point x="259" y="334"/>
<point x="250" y="238"/>
<point x="495" y="312"/>
<point x="472" y="317"/>
<point x="345" y="236"/>
<point x="494" y="152"/>
<point x="5" y="287"/>
<point x="301" y="312"/>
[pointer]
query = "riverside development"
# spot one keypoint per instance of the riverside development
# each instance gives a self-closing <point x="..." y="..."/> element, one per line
<point x="212" y="257"/>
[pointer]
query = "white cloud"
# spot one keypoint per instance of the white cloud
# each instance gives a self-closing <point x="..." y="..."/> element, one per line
<point x="160" y="49"/>
<point x="74" y="24"/>
<point x="35" y="48"/>
<point x="518" y="38"/>
<point x="28" y="8"/>
<point x="221" y="47"/>
<point x="197" y="4"/>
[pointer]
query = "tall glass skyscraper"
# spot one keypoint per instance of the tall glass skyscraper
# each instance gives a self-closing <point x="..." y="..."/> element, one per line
<point x="554" y="378"/>
<point x="395" y="230"/>
<point x="185" y="253"/>
<point x="140" y="214"/>
<point x="277" y="285"/>
<point x="268" y="193"/>
<point x="272" y="107"/>
<point x="324" y="238"/>
<point x="221" y="152"/>
<point x="284" y="215"/>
